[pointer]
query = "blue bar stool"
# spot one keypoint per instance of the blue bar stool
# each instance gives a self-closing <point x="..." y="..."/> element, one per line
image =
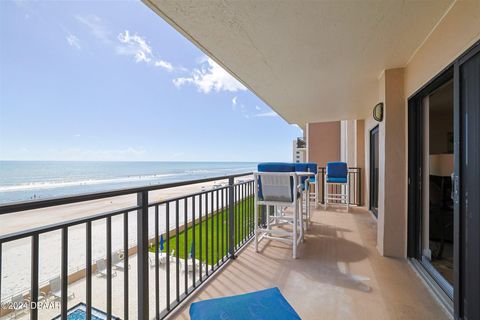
<point x="337" y="174"/>
<point x="277" y="185"/>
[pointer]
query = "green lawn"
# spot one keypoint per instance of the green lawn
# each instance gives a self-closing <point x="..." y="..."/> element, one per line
<point x="214" y="225"/>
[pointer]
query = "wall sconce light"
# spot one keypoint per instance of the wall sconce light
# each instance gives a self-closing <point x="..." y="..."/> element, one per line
<point x="378" y="112"/>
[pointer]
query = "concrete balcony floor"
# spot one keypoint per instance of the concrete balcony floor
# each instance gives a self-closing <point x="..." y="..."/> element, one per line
<point x="339" y="274"/>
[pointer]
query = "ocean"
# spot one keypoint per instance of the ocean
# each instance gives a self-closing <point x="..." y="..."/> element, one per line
<point x="27" y="180"/>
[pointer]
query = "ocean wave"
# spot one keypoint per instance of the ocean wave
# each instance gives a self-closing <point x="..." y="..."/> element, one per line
<point x="87" y="182"/>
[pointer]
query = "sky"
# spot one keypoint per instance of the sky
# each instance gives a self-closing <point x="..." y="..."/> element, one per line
<point x="110" y="80"/>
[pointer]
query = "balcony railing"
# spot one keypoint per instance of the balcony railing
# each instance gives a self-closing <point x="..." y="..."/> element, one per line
<point x="354" y="185"/>
<point x="204" y="229"/>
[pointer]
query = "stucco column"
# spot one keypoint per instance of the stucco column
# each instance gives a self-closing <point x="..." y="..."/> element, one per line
<point x="391" y="236"/>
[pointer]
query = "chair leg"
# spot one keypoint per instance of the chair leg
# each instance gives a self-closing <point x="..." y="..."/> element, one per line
<point x="268" y="218"/>
<point x="301" y="218"/>
<point x="295" y="225"/>
<point x="255" y="225"/>
<point x="348" y="196"/>
<point x="307" y="216"/>
<point x="325" y="195"/>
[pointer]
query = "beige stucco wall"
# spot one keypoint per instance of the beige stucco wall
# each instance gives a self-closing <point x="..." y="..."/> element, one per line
<point x="456" y="32"/>
<point x="360" y="152"/>
<point x="395" y="167"/>
<point x="323" y="142"/>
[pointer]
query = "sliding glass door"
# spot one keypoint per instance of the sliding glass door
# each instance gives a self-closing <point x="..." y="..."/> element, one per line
<point x="374" y="170"/>
<point x="444" y="182"/>
<point x="467" y="185"/>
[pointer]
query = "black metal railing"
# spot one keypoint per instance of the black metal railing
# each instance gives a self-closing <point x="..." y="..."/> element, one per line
<point x="201" y="232"/>
<point x="354" y="185"/>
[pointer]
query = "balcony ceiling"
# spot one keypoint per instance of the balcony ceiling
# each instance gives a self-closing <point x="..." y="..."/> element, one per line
<point x="310" y="61"/>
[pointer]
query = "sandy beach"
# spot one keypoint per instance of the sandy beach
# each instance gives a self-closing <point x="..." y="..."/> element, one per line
<point x="16" y="254"/>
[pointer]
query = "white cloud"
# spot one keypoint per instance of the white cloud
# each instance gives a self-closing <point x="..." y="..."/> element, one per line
<point x="178" y="82"/>
<point x="266" y="114"/>
<point x="96" y="27"/>
<point x="164" y="65"/>
<point x="234" y="102"/>
<point x="210" y="76"/>
<point x="257" y="107"/>
<point x="73" y="41"/>
<point x="77" y="135"/>
<point x="134" y="45"/>
<point x="128" y="44"/>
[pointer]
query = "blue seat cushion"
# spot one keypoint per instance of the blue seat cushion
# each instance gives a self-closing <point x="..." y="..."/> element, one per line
<point x="336" y="180"/>
<point x="261" y="305"/>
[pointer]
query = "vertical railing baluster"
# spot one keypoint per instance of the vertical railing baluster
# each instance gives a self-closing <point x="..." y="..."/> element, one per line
<point x="88" y="269"/>
<point x="244" y="215"/>
<point x="206" y="233"/>
<point x="222" y="205"/>
<point x="253" y="222"/>
<point x="125" y="266"/>
<point x="167" y="231"/>
<point x="240" y="213"/>
<point x="249" y="206"/>
<point x="212" y="239"/>
<point x="177" y="255"/>
<point x="109" y="268"/>
<point x="157" y="269"/>
<point x="185" y="241"/>
<point x="34" y="277"/>
<point x="237" y="216"/>
<point x="64" y="272"/>
<point x="142" y="255"/>
<point x="1" y="245"/>
<point x="217" y="215"/>
<point x="360" y="199"/>
<point x="194" y="241"/>
<point x="252" y="204"/>
<point x="200" y="273"/>
<point x="231" y="218"/>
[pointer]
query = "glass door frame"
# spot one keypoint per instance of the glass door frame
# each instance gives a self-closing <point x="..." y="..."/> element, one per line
<point x="461" y="299"/>
<point x="374" y="147"/>
<point x="415" y="177"/>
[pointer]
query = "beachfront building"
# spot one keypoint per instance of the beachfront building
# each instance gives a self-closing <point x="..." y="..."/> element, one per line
<point x="392" y="88"/>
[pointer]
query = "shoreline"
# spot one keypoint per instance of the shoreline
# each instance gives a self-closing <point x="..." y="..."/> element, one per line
<point x="16" y="254"/>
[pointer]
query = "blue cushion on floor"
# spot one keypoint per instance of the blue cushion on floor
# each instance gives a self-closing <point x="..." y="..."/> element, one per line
<point x="262" y="305"/>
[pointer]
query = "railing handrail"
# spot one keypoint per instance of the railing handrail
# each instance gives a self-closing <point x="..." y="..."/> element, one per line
<point x="232" y="204"/>
<point x="63" y="200"/>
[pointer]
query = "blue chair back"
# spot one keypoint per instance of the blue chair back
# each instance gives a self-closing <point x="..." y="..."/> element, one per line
<point x="274" y="167"/>
<point x="337" y="172"/>
<point x="306" y="167"/>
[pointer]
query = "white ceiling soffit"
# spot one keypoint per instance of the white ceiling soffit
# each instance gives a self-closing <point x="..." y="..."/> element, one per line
<point x="311" y="61"/>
